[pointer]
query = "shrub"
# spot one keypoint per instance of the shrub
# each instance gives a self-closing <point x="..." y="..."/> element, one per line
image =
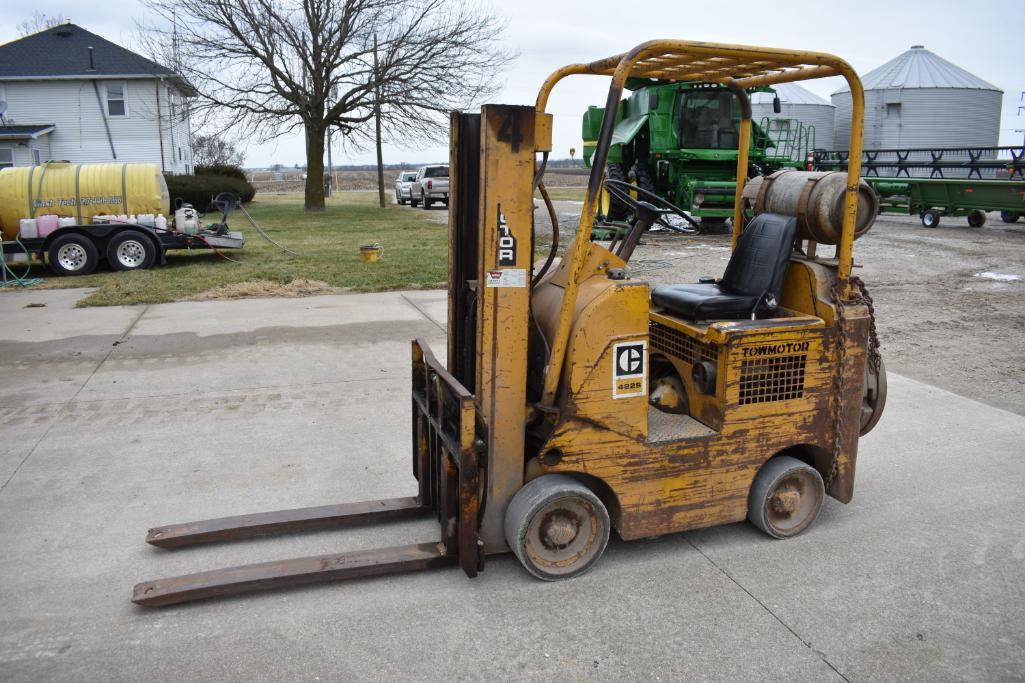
<point x="198" y="190"/>
<point x="222" y="169"/>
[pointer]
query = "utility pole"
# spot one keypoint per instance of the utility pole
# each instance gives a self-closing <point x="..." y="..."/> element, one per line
<point x="377" y="121"/>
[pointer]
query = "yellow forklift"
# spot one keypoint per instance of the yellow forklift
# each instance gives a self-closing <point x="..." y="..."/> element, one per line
<point x="575" y="400"/>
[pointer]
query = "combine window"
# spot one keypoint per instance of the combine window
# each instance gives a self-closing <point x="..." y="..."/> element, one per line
<point x="705" y="120"/>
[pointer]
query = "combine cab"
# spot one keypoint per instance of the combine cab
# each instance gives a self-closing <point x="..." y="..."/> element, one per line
<point x="679" y="140"/>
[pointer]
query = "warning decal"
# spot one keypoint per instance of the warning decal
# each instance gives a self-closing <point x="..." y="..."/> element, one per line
<point x="629" y="370"/>
<point x="506" y="277"/>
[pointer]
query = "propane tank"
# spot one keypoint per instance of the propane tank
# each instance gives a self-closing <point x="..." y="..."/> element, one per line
<point x="185" y="220"/>
<point x="816" y="198"/>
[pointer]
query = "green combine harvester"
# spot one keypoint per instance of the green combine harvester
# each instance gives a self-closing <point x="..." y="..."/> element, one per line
<point x="679" y="140"/>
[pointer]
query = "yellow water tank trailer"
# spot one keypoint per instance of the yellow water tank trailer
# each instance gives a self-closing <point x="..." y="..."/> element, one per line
<point x="79" y="191"/>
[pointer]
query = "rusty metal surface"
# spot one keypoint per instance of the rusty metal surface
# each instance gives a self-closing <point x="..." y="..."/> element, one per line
<point x="284" y="521"/>
<point x="296" y="572"/>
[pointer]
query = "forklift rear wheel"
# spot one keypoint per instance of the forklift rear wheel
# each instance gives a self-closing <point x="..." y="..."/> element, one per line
<point x="931" y="218"/>
<point x="1009" y="217"/>
<point x="976" y="218"/>
<point x="73" y="255"/>
<point x="556" y="527"/>
<point x="786" y="497"/>
<point x="130" y="250"/>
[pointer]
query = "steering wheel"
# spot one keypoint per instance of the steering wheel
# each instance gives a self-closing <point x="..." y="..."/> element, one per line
<point x="621" y="190"/>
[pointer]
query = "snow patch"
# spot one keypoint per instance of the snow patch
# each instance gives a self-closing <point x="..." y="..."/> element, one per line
<point x="999" y="277"/>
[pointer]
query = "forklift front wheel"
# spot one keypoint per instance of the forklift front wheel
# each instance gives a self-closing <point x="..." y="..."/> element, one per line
<point x="556" y="527"/>
<point x="786" y="497"/>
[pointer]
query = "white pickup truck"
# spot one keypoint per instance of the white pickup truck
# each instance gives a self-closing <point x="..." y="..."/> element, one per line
<point x="431" y="185"/>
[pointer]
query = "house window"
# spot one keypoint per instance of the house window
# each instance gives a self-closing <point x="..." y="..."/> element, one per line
<point x="6" y="157"/>
<point x="36" y="159"/>
<point x="116" y="105"/>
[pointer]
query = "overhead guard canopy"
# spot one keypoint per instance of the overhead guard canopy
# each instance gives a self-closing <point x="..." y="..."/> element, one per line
<point x="736" y="66"/>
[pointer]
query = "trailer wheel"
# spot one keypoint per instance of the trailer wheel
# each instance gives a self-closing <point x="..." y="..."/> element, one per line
<point x="786" y="497"/>
<point x="73" y="254"/>
<point x="1009" y="217"/>
<point x="931" y="218"/>
<point x="130" y="250"/>
<point x="556" y="527"/>
<point x="976" y="218"/>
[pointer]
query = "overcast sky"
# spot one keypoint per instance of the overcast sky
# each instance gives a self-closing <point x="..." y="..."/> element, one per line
<point x="982" y="37"/>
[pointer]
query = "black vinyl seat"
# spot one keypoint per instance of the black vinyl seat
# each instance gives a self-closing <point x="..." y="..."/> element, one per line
<point x="753" y="279"/>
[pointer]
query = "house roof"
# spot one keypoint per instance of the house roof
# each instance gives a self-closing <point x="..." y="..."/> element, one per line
<point x="789" y="93"/>
<point x="25" y="132"/>
<point x="63" y="52"/>
<point x="920" y="68"/>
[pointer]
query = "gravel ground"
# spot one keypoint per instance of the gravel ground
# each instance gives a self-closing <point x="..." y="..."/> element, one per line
<point x="950" y="302"/>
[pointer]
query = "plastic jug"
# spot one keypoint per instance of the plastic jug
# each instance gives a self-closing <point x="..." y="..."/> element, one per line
<point x="146" y="219"/>
<point x="160" y="222"/>
<point x="47" y="223"/>
<point x="27" y="229"/>
<point x="66" y="221"/>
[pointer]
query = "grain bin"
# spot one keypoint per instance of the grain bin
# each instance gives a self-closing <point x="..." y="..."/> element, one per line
<point x="79" y="191"/>
<point x="800" y="104"/>
<point x="920" y="100"/>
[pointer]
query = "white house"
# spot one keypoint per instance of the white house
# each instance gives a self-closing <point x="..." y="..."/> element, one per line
<point x="70" y="95"/>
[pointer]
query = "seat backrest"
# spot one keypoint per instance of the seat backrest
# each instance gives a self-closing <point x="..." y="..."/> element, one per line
<point x="760" y="260"/>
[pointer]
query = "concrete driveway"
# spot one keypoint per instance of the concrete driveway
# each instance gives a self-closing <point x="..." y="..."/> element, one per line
<point x="118" y="419"/>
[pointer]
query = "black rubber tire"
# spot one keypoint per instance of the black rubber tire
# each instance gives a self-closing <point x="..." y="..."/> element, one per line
<point x="527" y="516"/>
<point x="715" y="226"/>
<point x="931" y="218"/>
<point x="73" y="254"/>
<point x="645" y="178"/>
<point x="785" y="475"/>
<point x="131" y="250"/>
<point x="425" y="203"/>
<point x="976" y="218"/>
<point x="617" y="209"/>
<point x="412" y="201"/>
<point x="398" y="199"/>
<point x="1009" y="217"/>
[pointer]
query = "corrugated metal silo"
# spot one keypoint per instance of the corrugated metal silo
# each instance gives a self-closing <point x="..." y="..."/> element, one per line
<point x="800" y="104"/>
<point x="921" y="100"/>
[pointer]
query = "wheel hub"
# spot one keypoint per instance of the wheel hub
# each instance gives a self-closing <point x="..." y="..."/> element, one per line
<point x="71" y="257"/>
<point x="786" y="501"/>
<point x="559" y="529"/>
<point x="130" y="253"/>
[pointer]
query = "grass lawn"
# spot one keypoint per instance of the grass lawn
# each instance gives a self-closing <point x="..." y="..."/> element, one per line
<point x="575" y="194"/>
<point x="415" y="253"/>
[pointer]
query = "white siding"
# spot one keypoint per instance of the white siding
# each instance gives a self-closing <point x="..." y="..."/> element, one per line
<point x="80" y="135"/>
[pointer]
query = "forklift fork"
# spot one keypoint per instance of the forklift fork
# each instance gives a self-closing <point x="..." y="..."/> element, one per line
<point x="446" y="454"/>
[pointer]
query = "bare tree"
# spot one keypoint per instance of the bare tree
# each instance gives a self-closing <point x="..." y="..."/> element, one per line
<point x="215" y="150"/>
<point x="270" y="67"/>
<point x="40" y="21"/>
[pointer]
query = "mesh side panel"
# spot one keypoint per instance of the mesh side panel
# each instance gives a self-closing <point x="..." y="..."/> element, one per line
<point x="780" y="378"/>
<point x="678" y="345"/>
